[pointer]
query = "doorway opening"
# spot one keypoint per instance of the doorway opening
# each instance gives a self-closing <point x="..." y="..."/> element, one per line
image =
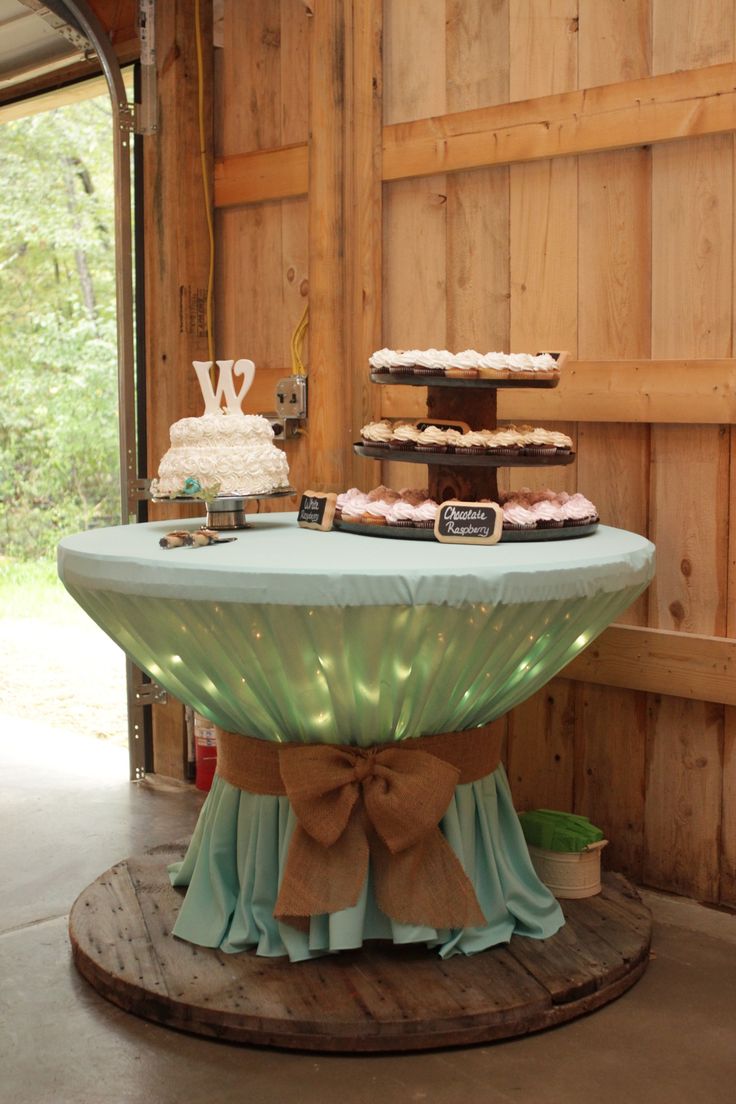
<point x="59" y="412"/>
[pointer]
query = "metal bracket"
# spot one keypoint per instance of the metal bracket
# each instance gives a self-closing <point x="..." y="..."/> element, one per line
<point x="150" y="693"/>
<point x="139" y="490"/>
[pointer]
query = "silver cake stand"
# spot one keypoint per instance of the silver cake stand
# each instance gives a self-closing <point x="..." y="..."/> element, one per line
<point x="228" y="511"/>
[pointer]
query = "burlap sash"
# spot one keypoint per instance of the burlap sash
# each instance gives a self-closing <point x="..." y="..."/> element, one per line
<point x="385" y="802"/>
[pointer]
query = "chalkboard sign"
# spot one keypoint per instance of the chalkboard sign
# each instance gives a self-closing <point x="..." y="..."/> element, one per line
<point x="317" y="511"/>
<point x="468" y="522"/>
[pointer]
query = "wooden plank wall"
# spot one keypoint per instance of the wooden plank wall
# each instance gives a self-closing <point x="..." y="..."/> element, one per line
<point x="608" y="232"/>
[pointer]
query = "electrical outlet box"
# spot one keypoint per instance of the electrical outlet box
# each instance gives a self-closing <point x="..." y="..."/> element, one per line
<point x="291" y="397"/>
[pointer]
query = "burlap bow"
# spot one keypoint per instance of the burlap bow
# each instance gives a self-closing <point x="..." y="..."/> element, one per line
<point x="382" y="803"/>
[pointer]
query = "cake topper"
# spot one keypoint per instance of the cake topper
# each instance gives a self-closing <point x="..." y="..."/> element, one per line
<point x="225" y="386"/>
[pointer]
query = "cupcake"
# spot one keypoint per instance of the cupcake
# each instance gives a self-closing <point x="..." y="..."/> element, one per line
<point x="400" y="514"/>
<point x="380" y="361"/>
<point x="429" y="362"/>
<point x="431" y="439"/>
<point x="375" y="513"/>
<point x="377" y="434"/>
<point x="518" y="517"/>
<point x="425" y="514"/>
<point x="405" y="437"/>
<point x="539" y="442"/>
<point x="402" y="362"/>
<point x="507" y="441"/>
<point x="545" y="366"/>
<point x="453" y="438"/>
<point x="472" y="443"/>
<point x="563" y="443"/>
<point x="493" y="366"/>
<point x="463" y="365"/>
<point x="578" y="510"/>
<point x="352" y="504"/>
<point x="548" y="514"/>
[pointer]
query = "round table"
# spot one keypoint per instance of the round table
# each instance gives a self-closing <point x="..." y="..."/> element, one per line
<point x="288" y="634"/>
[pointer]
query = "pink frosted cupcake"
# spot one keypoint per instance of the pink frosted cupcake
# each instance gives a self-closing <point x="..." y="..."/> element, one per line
<point x="376" y="513"/>
<point x="425" y="514"/>
<point x="400" y="514"/>
<point x="518" y="517"/>
<point x="578" y="510"/>
<point x="351" y="504"/>
<point x="548" y="515"/>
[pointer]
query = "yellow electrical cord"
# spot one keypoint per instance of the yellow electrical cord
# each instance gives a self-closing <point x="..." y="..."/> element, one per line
<point x="205" y="182"/>
<point x="297" y="344"/>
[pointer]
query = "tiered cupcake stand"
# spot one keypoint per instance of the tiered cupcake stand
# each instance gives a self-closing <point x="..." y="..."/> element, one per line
<point x="465" y="477"/>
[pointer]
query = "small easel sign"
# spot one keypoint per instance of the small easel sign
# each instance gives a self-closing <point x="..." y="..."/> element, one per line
<point x="468" y="522"/>
<point x="317" y="510"/>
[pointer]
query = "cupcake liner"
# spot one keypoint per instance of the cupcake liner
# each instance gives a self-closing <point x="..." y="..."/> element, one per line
<point x="473" y="450"/>
<point x="375" y="444"/>
<point x="403" y="446"/>
<point x="549" y="523"/>
<point x="424" y="524"/>
<point x="368" y="519"/>
<point x="428" y="371"/>
<point x="538" y="450"/>
<point x="514" y="525"/>
<point x="431" y="448"/>
<point x="462" y="373"/>
<point x="580" y="521"/>
<point x="401" y="524"/>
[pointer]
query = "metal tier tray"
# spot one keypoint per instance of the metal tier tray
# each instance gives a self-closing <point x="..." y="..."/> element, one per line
<point x="508" y="536"/>
<point x="455" y="459"/>
<point x="410" y="380"/>
<point x="228" y="511"/>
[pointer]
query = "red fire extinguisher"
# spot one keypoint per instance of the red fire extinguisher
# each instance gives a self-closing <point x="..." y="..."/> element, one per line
<point x="205" y="752"/>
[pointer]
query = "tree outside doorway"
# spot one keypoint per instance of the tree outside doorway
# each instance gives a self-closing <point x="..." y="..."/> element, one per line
<point x="59" y="461"/>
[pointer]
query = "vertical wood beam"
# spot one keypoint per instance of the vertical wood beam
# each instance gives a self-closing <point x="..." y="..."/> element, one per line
<point x="176" y="260"/>
<point x="329" y="375"/>
<point x="364" y="217"/>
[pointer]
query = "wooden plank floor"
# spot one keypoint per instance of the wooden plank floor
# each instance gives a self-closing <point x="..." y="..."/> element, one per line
<point x="380" y="998"/>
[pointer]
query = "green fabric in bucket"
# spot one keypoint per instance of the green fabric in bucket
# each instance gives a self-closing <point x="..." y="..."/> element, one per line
<point x="556" y="831"/>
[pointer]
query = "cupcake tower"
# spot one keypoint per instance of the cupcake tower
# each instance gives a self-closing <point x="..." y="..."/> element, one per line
<point x="460" y="441"/>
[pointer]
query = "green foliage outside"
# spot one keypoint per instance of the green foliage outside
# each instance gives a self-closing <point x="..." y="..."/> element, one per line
<point x="58" y="375"/>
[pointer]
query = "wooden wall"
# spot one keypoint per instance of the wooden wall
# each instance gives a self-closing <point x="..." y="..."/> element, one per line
<point x="524" y="174"/>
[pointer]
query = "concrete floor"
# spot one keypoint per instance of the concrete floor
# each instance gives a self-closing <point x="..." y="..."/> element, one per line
<point x="68" y="813"/>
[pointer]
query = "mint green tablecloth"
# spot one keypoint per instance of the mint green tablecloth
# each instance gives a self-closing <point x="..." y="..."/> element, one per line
<point x="289" y="634"/>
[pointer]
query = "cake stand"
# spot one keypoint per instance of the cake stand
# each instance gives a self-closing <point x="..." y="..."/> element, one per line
<point x="228" y="511"/>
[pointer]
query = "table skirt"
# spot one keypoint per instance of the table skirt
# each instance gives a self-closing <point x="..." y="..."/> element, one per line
<point x="236" y="858"/>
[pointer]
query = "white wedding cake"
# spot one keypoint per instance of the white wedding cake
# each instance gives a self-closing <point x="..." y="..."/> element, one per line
<point x="223" y="452"/>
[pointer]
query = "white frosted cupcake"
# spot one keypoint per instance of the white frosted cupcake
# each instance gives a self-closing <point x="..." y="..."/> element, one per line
<point x="377" y="434"/>
<point x="432" y="439"/>
<point x="405" y="437"/>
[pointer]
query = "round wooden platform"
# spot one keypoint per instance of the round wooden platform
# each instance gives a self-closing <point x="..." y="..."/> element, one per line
<point x="380" y="998"/>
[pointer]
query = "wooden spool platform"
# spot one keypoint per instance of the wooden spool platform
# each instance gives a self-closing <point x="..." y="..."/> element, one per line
<point x="380" y="998"/>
